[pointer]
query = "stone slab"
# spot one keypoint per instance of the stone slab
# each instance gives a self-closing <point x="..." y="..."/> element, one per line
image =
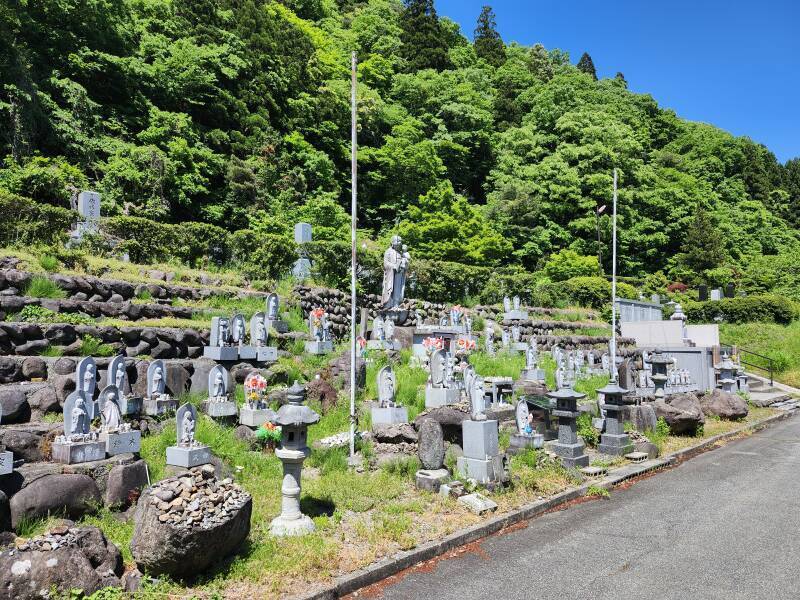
<point x="131" y="405"/>
<point x="594" y="471"/>
<point x="515" y="315"/>
<point x="247" y="352"/>
<point x="219" y="409"/>
<point x="221" y="353"/>
<point x="254" y="417"/>
<point x="78" y="452"/>
<point x="315" y="347"/>
<point x="436" y="397"/>
<point x="478" y="503"/>
<point x="636" y="456"/>
<point x="518" y="443"/>
<point x="431" y="480"/>
<point x="188" y="457"/>
<point x="480" y="439"/>
<point x="154" y="408"/>
<point x="491" y="470"/>
<point x="615" y="444"/>
<point x="266" y="354"/>
<point x="389" y="416"/>
<point x="120" y="443"/>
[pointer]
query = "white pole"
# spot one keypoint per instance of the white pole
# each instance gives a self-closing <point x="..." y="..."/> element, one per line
<point x="613" y="361"/>
<point x="353" y="222"/>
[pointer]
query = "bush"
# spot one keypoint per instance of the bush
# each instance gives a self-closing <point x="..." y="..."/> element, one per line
<point x="42" y="287"/>
<point x="262" y="255"/>
<point x="49" y="263"/>
<point x="767" y="308"/>
<point x="586" y="430"/>
<point x="23" y="221"/>
<point x="567" y="264"/>
<point x="40" y="314"/>
<point x="594" y="292"/>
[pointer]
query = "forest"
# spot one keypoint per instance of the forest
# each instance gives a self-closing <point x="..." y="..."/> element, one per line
<point x="235" y="114"/>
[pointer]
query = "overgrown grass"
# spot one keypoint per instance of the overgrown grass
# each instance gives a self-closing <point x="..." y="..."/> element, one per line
<point x="49" y="263"/>
<point x="42" y="287"/>
<point x="781" y="343"/>
<point x="503" y="364"/>
<point x="91" y="346"/>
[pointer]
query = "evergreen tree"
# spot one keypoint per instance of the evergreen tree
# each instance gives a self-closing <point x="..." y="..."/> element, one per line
<point x="586" y="64"/>
<point x="488" y="43"/>
<point x="424" y="43"/>
<point x="540" y="64"/>
<point x="703" y="247"/>
<point x="620" y="76"/>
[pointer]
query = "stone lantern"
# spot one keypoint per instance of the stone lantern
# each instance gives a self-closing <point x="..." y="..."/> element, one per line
<point x="614" y="440"/>
<point x="294" y="419"/>
<point x="727" y="374"/>
<point x="659" y="364"/>
<point x="569" y="446"/>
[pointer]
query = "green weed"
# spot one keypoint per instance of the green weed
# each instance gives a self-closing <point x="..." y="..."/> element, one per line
<point x="41" y="287"/>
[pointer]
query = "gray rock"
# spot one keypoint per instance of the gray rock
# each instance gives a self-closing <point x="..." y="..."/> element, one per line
<point x="15" y="406"/>
<point x="90" y="563"/>
<point x="648" y="448"/>
<point x="642" y="417"/>
<point x="199" y="380"/>
<point x="5" y="513"/>
<point x="64" y="366"/>
<point x="431" y="480"/>
<point x="63" y="385"/>
<point x="124" y="482"/>
<point x="164" y="549"/>
<point x="724" y="405"/>
<point x="394" y="434"/>
<point x="72" y="494"/>
<point x="10" y="370"/>
<point x="116" y="299"/>
<point x="61" y="334"/>
<point x="24" y="444"/>
<point x="682" y="412"/>
<point x="431" y="445"/>
<point x="44" y="400"/>
<point x="177" y="379"/>
<point x="139" y="349"/>
<point x="34" y="367"/>
<point x="162" y="350"/>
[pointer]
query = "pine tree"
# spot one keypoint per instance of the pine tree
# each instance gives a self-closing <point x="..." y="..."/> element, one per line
<point x="586" y="65"/>
<point x="488" y="43"/>
<point x="620" y="76"/>
<point x="424" y="43"/>
<point x="703" y="247"/>
<point x="540" y="64"/>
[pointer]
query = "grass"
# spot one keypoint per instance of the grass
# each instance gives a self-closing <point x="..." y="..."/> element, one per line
<point x="91" y="346"/>
<point x="41" y="287"/>
<point x="781" y="343"/>
<point x="52" y="351"/>
<point x="503" y="364"/>
<point x="49" y="263"/>
<point x="596" y="491"/>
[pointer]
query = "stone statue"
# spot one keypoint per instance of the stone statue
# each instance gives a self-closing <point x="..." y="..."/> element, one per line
<point x="389" y="329"/>
<point x="507" y="304"/>
<point x="272" y="307"/>
<point x="378" y="331"/>
<point x="219" y="386"/>
<point x="187" y="429"/>
<point x="119" y="377"/>
<point x="516" y="302"/>
<point x="79" y="419"/>
<point x="386" y="387"/>
<point x="395" y="265"/>
<point x="530" y="356"/>
<point x="477" y="397"/>
<point x="111" y="414"/>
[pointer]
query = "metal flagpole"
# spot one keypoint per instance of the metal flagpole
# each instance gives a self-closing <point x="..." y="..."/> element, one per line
<point x="613" y="361"/>
<point x="353" y="221"/>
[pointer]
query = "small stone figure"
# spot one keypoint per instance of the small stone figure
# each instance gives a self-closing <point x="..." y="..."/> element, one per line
<point x="219" y="386"/>
<point x="111" y="415"/>
<point x="378" y="331"/>
<point x="388" y="328"/>
<point x="187" y="429"/>
<point x="507" y="304"/>
<point x="79" y="419"/>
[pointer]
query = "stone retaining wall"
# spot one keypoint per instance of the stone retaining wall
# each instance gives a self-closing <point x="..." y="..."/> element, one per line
<point x="123" y="309"/>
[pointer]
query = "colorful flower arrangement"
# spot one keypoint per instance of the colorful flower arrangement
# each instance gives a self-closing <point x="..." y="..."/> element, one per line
<point x="268" y="434"/>
<point x="255" y="389"/>
<point x="466" y="344"/>
<point x="431" y="344"/>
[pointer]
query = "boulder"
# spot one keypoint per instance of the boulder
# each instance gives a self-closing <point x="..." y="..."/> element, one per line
<point x="64" y="366"/>
<point x="324" y="392"/>
<point x="71" y="494"/>
<point x="44" y="400"/>
<point x="240" y="371"/>
<point x="5" y="513"/>
<point x="394" y="434"/>
<point x="182" y="539"/>
<point x="176" y="380"/>
<point x="449" y="417"/>
<point x="430" y="445"/>
<point x="23" y="443"/>
<point x="34" y="367"/>
<point x="724" y="405"/>
<point x="139" y="382"/>
<point x="61" y="334"/>
<point x="124" y="483"/>
<point x="163" y="350"/>
<point x="10" y="370"/>
<point x="642" y="417"/>
<point x="63" y="385"/>
<point x="15" y="406"/>
<point x="64" y="559"/>
<point x="682" y="412"/>
<point x="199" y="379"/>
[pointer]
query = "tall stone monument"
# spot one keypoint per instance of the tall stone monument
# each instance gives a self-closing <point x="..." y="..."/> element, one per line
<point x="302" y="266"/>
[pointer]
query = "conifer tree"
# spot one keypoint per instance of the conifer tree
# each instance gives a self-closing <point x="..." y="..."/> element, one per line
<point x="488" y="43"/>
<point x="586" y="65"/>
<point x="702" y="248"/>
<point x="424" y="43"/>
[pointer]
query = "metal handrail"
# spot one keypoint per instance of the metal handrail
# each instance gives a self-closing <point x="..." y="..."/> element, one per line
<point x="768" y="369"/>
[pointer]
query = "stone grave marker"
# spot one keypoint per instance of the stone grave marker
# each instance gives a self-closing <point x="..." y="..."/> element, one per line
<point x="118" y="435"/>
<point x="219" y="404"/>
<point x="158" y="401"/>
<point x="187" y="452"/>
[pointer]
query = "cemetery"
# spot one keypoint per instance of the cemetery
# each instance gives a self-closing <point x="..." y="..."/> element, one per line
<point x="213" y="453"/>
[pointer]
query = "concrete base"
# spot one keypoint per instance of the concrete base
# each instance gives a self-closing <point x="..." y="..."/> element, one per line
<point x="266" y="354"/>
<point x="480" y="439"/>
<point x="435" y="397"/>
<point x="154" y="408"/>
<point x="283" y="527"/>
<point x="490" y="470"/>
<point x="389" y="416"/>
<point x="319" y="347"/>
<point x="254" y="417"/>
<point x="120" y="443"/>
<point x="6" y="462"/>
<point x="131" y="405"/>
<point x="221" y="353"/>
<point x="219" y="410"/>
<point x="518" y="443"/>
<point x="532" y="375"/>
<point x="188" y="457"/>
<point x="431" y="480"/>
<point x="247" y="352"/>
<point x="478" y="503"/>
<point x="516" y="315"/>
<point x="571" y="455"/>
<point x="519" y="346"/>
<point x="78" y="452"/>
<point x="382" y="345"/>
<point x="615" y="445"/>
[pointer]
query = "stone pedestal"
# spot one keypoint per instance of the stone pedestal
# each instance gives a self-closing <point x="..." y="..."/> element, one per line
<point x="389" y="416"/>
<point x="291" y="521"/>
<point x="155" y="407"/>
<point x="131" y="405"/>
<point x="255" y="417"/>
<point x="515" y="315"/>
<point x="122" y="442"/>
<point x="221" y="353"/>
<point x="533" y="375"/>
<point x="483" y="471"/>
<point x="435" y="397"/>
<point x="6" y="462"/>
<point x="316" y="347"/>
<point x="382" y="345"/>
<point x="266" y="354"/>
<point x="219" y="409"/>
<point x="518" y="442"/>
<point x="247" y="352"/>
<point x="70" y="453"/>
<point x="519" y="347"/>
<point x="482" y="460"/>
<point x="180" y="456"/>
<point x="431" y="479"/>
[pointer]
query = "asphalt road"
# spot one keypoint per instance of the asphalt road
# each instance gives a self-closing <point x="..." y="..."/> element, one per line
<point x="722" y="525"/>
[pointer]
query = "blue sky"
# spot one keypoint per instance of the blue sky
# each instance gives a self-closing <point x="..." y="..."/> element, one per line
<point x="733" y="64"/>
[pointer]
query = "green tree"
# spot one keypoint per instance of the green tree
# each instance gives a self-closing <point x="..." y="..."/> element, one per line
<point x="540" y="64"/>
<point x="586" y="65"/>
<point x="424" y="43"/>
<point x="488" y="43"/>
<point x="703" y="247"/>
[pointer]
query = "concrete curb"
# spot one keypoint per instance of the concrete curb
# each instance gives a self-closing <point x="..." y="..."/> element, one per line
<point x="392" y="565"/>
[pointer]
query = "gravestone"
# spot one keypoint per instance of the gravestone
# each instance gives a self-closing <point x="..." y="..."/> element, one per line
<point x="526" y="436"/>
<point x="244" y="351"/>
<point x="302" y="266"/>
<point x="387" y="412"/>
<point x="78" y="444"/>
<point x="430" y="445"/>
<point x="219" y="404"/>
<point x="118" y="436"/>
<point x="88" y="208"/>
<point x="441" y="389"/>
<point x="187" y="452"/>
<point x="117" y="375"/>
<point x="219" y="347"/>
<point x="716" y="295"/>
<point x="702" y="292"/>
<point x="157" y="401"/>
<point x="86" y="382"/>
<point x="255" y="411"/>
<point x="319" y="328"/>
<point x="482" y="459"/>
<point x="259" y="338"/>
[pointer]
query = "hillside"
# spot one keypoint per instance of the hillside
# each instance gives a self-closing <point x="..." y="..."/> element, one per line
<point x="235" y="113"/>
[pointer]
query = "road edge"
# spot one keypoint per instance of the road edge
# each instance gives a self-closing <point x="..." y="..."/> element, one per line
<point x="396" y="563"/>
